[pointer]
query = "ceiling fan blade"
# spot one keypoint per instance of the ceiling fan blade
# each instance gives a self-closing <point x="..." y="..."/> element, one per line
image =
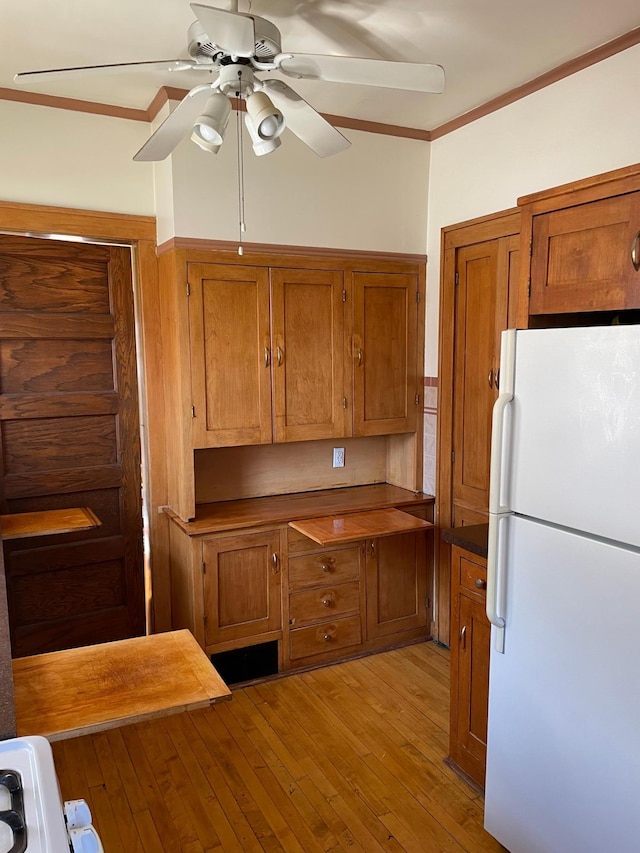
<point x="412" y="76"/>
<point x="175" y="127"/>
<point x="307" y="124"/>
<point x="159" y="65"/>
<point x="232" y="31"/>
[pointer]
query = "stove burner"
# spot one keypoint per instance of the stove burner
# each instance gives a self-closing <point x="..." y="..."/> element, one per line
<point x="14" y="816"/>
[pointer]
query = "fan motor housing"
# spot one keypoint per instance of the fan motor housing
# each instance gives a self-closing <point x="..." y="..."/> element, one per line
<point x="267" y="46"/>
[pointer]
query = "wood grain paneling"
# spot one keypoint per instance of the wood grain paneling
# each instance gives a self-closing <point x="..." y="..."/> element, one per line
<point x="229" y="334"/>
<point x="307" y="328"/>
<point x="384" y="353"/>
<point x="69" y="424"/>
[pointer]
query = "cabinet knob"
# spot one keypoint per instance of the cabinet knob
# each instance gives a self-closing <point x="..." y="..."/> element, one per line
<point x="327" y="638"/>
<point x="490" y="378"/>
<point x="274" y="560"/>
<point x="326" y="567"/>
<point x="480" y="583"/>
<point x="360" y="355"/>
<point x="279" y="355"/>
<point x="266" y="357"/>
<point x="327" y="602"/>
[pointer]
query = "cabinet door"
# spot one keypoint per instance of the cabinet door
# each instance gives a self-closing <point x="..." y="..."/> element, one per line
<point x="230" y="354"/>
<point x="384" y="353"/>
<point x="241" y="586"/>
<point x="581" y="257"/>
<point x="396" y="584"/>
<point x="484" y="272"/>
<point x="470" y="686"/>
<point x="307" y="315"/>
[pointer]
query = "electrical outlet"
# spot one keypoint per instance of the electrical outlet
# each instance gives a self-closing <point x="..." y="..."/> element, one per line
<point x="338" y="457"/>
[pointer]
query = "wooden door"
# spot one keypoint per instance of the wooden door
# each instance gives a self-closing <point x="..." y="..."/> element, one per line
<point x="230" y="354"/>
<point x="471" y="686"/>
<point x="581" y="257"/>
<point x="484" y="272"/>
<point x="384" y="353"/>
<point x="241" y="587"/>
<point x="396" y="568"/>
<point x="307" y="328"/>
<point x="70" y="437"/>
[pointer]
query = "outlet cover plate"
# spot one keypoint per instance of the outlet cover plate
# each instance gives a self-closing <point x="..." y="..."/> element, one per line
<point x="338" y="457"/>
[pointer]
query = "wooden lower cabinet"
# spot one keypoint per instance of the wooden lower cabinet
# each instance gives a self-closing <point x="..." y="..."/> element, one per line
<point x="241" y="586"/>
<point x="396" y="584"/>
<point x="470" y="645"/>
<point x="238" y="588"/>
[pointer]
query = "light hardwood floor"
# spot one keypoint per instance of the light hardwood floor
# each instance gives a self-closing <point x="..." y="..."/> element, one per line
<point x="348" y="757"/>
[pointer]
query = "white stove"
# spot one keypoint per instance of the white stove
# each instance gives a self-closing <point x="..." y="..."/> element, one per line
<point x="33" y="818"/>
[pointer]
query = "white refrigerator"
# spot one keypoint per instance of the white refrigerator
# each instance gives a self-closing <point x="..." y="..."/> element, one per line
<point x="563" y="593"/>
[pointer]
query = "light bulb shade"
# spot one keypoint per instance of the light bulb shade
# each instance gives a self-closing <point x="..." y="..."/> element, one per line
<point x="268" y="121"/>
<point x="211" y="147"/>
<point x="209" y="128"/>
<point x="261" y="146"/>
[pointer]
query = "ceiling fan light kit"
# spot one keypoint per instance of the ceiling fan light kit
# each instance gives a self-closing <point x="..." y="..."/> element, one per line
<point x="211" y="125"/>
<point x="268" y="122"/>
<point x="232" y="47"/>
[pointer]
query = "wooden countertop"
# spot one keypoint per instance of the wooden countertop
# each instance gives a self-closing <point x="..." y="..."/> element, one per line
<point x="79" y="691"/>
<point x="352" y="527"/>
<point x="280" y="509"/>
<point x="471" y="538"/>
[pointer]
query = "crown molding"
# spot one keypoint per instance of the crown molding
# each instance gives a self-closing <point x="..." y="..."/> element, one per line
<point x="169" y="93"/>
<point x="196" y="244"/>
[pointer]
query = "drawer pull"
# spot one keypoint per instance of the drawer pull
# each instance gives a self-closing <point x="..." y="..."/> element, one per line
<point x="325" y="567"/>
<point x="463" y="637"/>
<point x="480" y="584"/>
<point x="327" y="638"/>
<point x="327" y="602"/>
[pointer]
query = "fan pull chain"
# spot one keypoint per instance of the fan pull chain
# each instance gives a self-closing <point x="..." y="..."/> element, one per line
<point x="241" y="222"/>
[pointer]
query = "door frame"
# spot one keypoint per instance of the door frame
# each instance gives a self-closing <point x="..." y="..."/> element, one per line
<point x="504" y="223"/>
<point x="138" y="232"/>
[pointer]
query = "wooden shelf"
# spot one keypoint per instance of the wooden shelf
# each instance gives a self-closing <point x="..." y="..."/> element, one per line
<point x="22" y="525"/>
<point x="331" y="529"/>
<point x="80" y="691"/>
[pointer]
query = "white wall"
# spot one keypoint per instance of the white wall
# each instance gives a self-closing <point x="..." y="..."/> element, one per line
<point x="71" y="159"/>
<point x="371" y="196"/>
<point x="583" y="125"/>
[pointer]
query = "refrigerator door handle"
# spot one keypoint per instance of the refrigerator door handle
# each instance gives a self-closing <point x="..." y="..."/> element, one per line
<point x="496" y="473"/>
<point x="495" y="578"/>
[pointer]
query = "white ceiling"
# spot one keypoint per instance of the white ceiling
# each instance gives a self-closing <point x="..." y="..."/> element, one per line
<point x="487" y="48"/>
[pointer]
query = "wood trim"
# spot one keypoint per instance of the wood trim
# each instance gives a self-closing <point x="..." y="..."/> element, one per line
<point x="482" y="228"/>
<point x="166" y="93"/>
<point x="615" y="182"/>
<point x="579" y="63"/>
<point x="74" y="104"/>
<point x="196" y="244"/>
<point x="41" y="220"/>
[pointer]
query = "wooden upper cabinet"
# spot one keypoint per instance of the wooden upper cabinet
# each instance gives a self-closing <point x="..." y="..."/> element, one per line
<point x="230" y="354"/>
<point x="384" y="353"/>
<point x="581" y="257"/>
<point x="307" y="329"/>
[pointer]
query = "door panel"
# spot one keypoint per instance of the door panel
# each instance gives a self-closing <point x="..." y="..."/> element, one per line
<point x="307" y="342"/>
<point x="230" y="354"/>
<point x="70" y="437"/>
<point x="396" y="584"/>
<point x="384" y="353"/>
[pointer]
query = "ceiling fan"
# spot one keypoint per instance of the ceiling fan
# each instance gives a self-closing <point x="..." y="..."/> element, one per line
<point x="235" y="48"/>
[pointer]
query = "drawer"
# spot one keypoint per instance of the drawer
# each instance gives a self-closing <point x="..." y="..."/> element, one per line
<point x="320" y="639"/>
<point x="328" y="602"/>
<point x="473" y="576"/>
<point x="330" y="567"/>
